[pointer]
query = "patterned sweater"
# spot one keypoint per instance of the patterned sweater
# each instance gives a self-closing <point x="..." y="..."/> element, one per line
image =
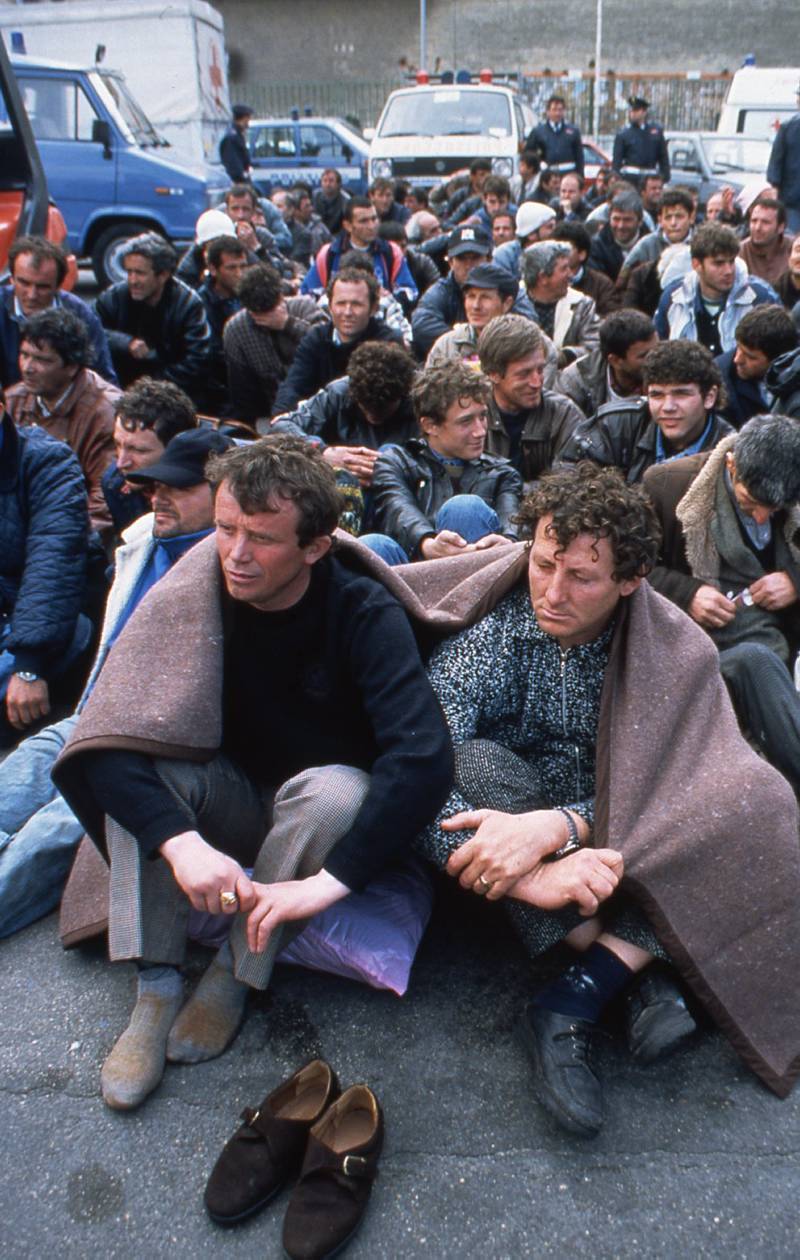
<point x="505" y="680"/>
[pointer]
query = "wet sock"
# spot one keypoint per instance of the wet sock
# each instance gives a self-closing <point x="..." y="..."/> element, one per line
<point x="136" y="1064"/>
<point x="210" y="1019"/>
<point x="587" y="986"/>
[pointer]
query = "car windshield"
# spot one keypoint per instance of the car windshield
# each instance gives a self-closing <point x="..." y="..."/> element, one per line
<point x="447" y="112"/>
<point x="736" y="153"/>
<point x="131" y="112"/>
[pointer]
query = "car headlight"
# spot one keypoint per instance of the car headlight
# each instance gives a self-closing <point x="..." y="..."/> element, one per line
<point x="381" y="168"/>
<point x="503" y="166"/>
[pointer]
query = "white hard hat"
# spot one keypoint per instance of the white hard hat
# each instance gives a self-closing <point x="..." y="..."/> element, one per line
<point x="211" y="224"/>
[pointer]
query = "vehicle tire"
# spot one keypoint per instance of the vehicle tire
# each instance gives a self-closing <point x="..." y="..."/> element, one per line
<point x="105" y="264"/>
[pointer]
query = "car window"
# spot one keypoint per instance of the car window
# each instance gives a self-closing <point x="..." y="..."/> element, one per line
<point x="274" y="142"/>
<point x="317" y="141"/>
<point x="59" y="109"/>
<point x="683" y="155"/>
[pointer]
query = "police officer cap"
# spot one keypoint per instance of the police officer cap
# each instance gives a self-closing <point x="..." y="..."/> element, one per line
<point x="638" y="102"/>
<point x="242" y="111"/>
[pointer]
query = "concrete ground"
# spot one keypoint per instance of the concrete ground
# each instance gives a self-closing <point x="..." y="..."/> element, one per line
<point x="696" y="1158"/>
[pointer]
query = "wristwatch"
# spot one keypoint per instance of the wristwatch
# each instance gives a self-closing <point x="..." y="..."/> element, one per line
<point x="26" y="675"/>
<point x="573" y="843"/>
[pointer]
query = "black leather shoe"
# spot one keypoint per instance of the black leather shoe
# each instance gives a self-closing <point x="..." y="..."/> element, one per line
<point x="657" y="1018"/>
<point x="566" y="1086"/>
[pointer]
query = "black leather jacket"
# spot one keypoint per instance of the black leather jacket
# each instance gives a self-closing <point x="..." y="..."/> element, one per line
<point x="176" y="330"/>
<point x="334" y="419"/>
<point x="623" y="435"/>
<point x="547" y="428"/>
<point x="410" y="485"/>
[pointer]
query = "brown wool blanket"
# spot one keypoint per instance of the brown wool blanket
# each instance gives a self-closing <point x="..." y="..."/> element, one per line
<point x="708" y="830"/>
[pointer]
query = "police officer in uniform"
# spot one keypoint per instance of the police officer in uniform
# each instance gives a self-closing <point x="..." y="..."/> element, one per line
<point x="560" y="142"/>
<point x="640" y="148"/>
<point x="233" y="151"/>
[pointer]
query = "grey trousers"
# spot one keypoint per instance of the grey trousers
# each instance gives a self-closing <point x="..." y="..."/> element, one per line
<point x="489" y="776"/>
<point x="148" y="912"/>
<point x="766" y="702"/>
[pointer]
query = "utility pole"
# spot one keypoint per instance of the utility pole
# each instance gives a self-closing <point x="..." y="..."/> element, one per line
<point x="598" y="48"/>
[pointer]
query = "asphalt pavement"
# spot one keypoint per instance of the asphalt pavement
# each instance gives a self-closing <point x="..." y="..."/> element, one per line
<point x="696" y="1158"/>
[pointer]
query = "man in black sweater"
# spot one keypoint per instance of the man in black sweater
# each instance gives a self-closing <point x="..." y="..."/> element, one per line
<point x="331" y="747"/>
<point x="324" y="352"/>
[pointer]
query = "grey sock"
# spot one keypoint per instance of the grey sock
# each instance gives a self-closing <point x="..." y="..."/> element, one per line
<point x="163" y="980"/>
<point x="210" y="1019"/>
<point x="136" y="1064"/>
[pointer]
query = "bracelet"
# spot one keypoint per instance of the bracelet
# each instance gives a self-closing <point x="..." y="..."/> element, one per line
<point x="573" y="843"/>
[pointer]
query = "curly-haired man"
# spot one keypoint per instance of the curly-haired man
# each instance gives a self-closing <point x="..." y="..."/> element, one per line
<point x="581" y="747"/>
<point x="354" y="416"/>
<point x="677" y="418"/>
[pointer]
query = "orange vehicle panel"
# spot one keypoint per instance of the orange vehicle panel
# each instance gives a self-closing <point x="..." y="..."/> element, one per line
<point x="10" y="210"/>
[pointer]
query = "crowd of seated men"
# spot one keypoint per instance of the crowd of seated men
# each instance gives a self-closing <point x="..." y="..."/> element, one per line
<point x="433" y="362"/>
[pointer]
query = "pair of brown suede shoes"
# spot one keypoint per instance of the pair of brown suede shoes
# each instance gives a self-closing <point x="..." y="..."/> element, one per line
<point x="309" y="1131"/>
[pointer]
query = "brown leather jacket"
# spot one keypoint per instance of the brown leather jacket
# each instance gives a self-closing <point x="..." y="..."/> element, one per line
<point x="85" y="421"/>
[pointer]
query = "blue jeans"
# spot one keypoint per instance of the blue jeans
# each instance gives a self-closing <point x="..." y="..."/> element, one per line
<point x="38" y="831"/>
<point x="793" y="219"/>
<point x="466" y="514"/>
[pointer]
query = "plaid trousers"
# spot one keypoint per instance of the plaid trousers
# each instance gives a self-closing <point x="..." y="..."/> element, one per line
<point x="148" y="912"/>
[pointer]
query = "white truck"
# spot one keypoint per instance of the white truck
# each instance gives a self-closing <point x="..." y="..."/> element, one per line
<point x="172" y="56"/>
<point x="759" y="99"/>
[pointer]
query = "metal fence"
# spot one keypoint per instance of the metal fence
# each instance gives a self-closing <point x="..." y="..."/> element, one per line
<point x="361" y="102"/>
<point x="680" y="102"/>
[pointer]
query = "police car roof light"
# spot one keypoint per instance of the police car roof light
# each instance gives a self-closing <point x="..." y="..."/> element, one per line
<point x="485" y="75"/>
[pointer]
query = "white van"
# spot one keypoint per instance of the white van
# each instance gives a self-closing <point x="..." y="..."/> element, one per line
<point x="426" y="133"/>
<point x="758" y="101"/>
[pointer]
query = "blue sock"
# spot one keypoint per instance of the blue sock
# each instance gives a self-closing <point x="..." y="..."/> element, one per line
<point x="587" y="986"/>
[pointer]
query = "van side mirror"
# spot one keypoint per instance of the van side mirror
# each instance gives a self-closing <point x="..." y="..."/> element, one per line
<point x="101" y="134"/>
